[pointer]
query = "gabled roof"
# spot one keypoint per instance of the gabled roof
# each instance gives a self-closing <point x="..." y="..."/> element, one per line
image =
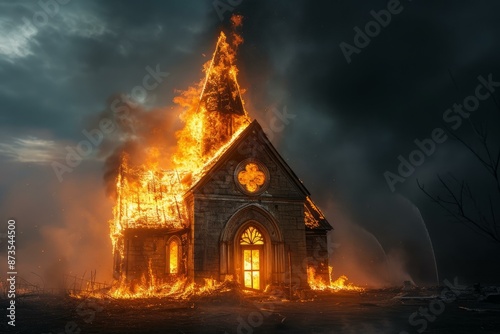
<point x="314" y="218"/>
<point x="254" y="128"/>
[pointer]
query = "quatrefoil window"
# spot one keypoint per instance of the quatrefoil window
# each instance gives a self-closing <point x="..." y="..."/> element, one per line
<point x="252" y="176"/>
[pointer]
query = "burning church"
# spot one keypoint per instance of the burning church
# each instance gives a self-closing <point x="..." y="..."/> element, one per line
<point x="231" y="208"/>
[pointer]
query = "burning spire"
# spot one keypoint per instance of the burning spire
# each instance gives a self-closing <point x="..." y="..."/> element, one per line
<point x="220" y="99"/>
<point x="214" y="112"/>
<point x="221" y="92"/>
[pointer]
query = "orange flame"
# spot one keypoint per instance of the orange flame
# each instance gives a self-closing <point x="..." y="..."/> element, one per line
<point x="317" y="283"/>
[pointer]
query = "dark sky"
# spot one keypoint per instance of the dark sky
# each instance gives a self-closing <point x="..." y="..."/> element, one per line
<point x="348" y="121"/>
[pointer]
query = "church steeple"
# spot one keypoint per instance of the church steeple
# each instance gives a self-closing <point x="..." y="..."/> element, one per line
<point x="220" y="98"/>
<point x="221" y="92"/>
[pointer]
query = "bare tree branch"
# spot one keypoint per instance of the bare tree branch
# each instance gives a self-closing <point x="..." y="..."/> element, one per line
<point x="457" y="197"/>
<point x="458" y="208"/>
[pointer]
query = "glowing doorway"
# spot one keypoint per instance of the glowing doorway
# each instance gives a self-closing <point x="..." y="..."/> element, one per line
<point x="252" y="248"/>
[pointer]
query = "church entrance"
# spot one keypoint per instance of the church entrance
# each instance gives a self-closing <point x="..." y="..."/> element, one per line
<point x="252" y="250"/>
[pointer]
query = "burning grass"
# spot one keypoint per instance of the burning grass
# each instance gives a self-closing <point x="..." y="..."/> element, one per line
<point x="176" y="289"/>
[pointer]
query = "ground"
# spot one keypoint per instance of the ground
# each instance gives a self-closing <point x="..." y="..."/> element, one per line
<point x="373" y="311"/>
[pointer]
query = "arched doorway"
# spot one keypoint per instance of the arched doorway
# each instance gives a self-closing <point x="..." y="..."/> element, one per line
<point x="252" y="249"/>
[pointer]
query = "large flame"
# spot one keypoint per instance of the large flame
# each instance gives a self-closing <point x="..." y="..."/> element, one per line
<point x="150" y="287"/>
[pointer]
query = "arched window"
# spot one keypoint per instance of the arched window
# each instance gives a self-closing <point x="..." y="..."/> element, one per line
<point x="251" y="236"/>
<point x="173" y="257"/>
